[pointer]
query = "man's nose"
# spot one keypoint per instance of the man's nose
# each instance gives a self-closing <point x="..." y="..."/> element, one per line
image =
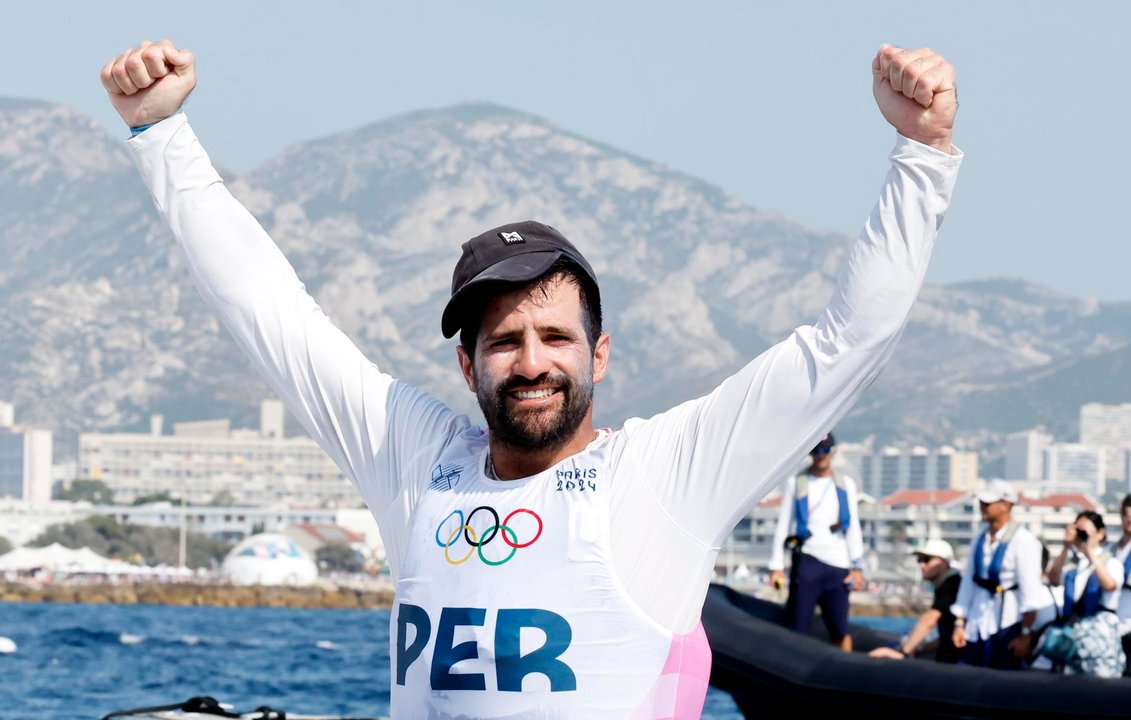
<point x="532" y="360"/>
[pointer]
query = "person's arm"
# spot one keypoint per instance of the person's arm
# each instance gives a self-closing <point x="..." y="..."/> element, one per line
<point x="960" y="608"/>
<point x="341" y="398"/>
<point x="854" y="537"/>
<point x="716" y="456"/>
<point x="1056" y="568"/>
<point x="911" y="643"/>
<point x="923" y="627"/>
<point x="781" y="529"/>
<point x="1030" y="586"/>
<point x="1030" y="589"/>
<point x="1106" y="577"/>
<point x="1114" y="568"/>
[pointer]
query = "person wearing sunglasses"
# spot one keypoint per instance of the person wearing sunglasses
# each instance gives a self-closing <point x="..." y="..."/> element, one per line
<point x="934" y="559"/>
<point x="1001" y="590"/>
<point x="827" y="548"/>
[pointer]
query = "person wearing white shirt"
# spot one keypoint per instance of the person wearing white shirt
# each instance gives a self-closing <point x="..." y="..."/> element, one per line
<point x="1092" y="578"/>
<point x="1001" y="587"/>
<point x="545" y="567"/>
<point x="828" y="548"/>
<point x="1121" y="549"/>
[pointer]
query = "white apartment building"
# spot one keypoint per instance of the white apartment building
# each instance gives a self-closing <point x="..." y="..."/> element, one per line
<point x="1025" y="454"/>
<point x="201" y="460"/>
<point x="228" y="523"/>
<point x="22" y="521"/>
<point x="25" y="459"/>
<point x="1124" y="489"/>
<point x="917" y="468"/>
<point x="1074" y="467"/>
<point x="1108" y="427"/>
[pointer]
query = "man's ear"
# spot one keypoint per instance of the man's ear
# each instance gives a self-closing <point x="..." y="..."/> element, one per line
<point x="601" y="357"/>
<point x="466" y="366"/>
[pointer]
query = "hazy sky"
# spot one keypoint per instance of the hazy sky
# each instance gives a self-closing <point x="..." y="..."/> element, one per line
<point x="769" y="100"/>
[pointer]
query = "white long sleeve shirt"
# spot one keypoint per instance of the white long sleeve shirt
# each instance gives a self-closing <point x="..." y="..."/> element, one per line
<point x="606" y="556"/>
<point x="985" y="613"/>
<point x="1123" y="611"/>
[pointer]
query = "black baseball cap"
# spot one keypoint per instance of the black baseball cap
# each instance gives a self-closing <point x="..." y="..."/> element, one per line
<point x="513" y="253"/>
<point x="828" y="442"/>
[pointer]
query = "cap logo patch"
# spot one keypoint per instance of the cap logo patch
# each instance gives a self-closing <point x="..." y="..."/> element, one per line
<point x="511" y="238"/>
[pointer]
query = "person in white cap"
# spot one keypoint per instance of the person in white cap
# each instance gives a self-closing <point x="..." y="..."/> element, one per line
<point x="1001" y="587"/>
<point x="935" y="559"/>
<point x="545" y="567"/>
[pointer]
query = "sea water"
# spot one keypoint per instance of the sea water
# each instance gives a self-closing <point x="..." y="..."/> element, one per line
<point x="85" y="661"/>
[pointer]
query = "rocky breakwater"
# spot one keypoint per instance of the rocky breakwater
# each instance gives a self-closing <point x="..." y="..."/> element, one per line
<point x="185" y="594"/>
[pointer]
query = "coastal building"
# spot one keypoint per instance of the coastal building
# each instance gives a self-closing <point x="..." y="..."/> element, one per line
<point x="207" y="461"/>
<point x="232" y="523"/>
<point x="916" y="468"/>
<point x="25" y="459"/>
<point x="1108" y="427"/>
<point x="22" y="521"/>
<point x="850" y="459"/>
<point x="1025" y="454"/>
<point x="1074" y="467"/>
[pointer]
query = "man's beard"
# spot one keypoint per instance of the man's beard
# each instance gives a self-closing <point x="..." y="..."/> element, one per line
<point x="542" y="429"/>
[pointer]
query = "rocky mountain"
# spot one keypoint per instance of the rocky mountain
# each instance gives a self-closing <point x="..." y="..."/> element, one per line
<point x="101" y="328"/>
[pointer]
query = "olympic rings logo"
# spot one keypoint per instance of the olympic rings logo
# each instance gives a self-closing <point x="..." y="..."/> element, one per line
<point x="476" y="541"/>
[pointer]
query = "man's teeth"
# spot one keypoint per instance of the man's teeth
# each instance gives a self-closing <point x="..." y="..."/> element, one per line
<point x="533" y="394"/>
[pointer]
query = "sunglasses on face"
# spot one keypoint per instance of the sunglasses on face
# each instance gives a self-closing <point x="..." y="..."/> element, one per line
<point x="821" y="451"/>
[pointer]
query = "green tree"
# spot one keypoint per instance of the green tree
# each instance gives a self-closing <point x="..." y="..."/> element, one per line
<point x="95" y="492"/>
<point x="150" y="545"/>
<point x="162" y="496"/>
<point x="222" y="499"/>
<point x="338" y="557"/>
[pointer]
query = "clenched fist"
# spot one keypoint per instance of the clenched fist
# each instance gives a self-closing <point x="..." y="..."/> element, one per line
<point x="917" y="94"/>
<point x="149" y="83"/>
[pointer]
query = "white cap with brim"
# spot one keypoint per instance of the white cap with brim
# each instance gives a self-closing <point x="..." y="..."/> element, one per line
<point x="997" y="490"/>
<point x="936" y="548"/>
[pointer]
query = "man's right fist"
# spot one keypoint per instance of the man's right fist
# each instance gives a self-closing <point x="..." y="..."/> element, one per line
<point x="149" y="83"/>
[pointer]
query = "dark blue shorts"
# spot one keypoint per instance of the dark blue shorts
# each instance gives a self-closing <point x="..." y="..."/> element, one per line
<point x="814" y="584"/>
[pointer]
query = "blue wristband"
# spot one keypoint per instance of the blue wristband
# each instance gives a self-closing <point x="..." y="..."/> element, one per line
<point x="135" y="131"/>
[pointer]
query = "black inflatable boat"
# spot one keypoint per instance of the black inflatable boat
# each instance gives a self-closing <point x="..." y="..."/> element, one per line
<point x="773" y="672"/>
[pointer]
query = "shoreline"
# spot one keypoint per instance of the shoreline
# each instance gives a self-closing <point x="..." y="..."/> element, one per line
<point x="188" y="594"/>
<point x="324" y="595"/>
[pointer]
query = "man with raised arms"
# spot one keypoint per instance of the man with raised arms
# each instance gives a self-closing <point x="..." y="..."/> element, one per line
<point x="545" y="568"/>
